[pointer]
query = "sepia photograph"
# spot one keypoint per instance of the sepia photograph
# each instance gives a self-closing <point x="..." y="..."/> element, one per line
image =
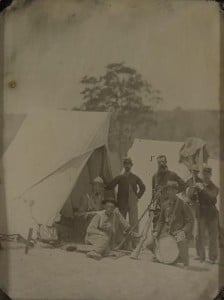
<point x="112" y="153"/>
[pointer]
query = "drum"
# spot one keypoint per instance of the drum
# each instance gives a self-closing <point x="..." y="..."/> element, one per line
<point x="166" y="249"/>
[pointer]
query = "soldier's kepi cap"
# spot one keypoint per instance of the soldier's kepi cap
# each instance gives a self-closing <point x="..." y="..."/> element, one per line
<point x="109" y="200"/>
<point x="127" y="160"/>
<point x="172" y="185"/>
<point x="161" y="156"/>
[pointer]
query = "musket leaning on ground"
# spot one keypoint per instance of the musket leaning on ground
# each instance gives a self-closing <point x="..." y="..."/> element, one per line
<point x="135" y="253"/>
<point x="131" y="229"/>
<point x="149" y="208"/>
<point x="153" y="207"/>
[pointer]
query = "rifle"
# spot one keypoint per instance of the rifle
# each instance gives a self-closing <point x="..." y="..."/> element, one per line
<point x="151" y="207"/>
<point x="129" y="232"/>
<point x="137" y="250"/>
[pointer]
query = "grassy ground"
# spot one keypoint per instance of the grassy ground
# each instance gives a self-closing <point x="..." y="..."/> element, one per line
<point x="58" y="274"/>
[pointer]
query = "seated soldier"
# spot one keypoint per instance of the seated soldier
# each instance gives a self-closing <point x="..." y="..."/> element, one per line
<point x="93" y="201"/>
<point x="177" y="220"/>
<point x="102" y="230"/>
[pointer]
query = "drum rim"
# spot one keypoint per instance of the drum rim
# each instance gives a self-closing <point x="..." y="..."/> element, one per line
<point x="157" y="250"/>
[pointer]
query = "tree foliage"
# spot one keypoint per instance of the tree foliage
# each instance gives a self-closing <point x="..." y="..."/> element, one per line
<point x="127" y="95"/>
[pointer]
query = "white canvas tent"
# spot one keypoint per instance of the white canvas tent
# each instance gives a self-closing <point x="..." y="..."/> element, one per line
<point x="144" y="153"/>
<point x="44" y="162"/>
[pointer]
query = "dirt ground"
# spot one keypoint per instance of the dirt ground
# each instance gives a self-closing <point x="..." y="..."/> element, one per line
<point x="58" y="274"/>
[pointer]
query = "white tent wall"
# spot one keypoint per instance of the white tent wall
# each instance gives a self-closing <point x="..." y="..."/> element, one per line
<point x="46" y="141"/>
<point x="47" y="198"/>
<point x="144" y="153"/>
<point x="44" y="161"/>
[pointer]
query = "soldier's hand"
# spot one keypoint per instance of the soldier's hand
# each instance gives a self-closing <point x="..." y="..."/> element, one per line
<point x="199" y="186"/>
<point x="125" y="232"/>
<point x="135" y="235"/>
<point x="180" y="236"/>
<point x="106" y="227"/>
<point x="155" y="234"/>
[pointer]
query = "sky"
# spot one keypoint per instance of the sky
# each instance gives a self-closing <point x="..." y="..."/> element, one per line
<point x="50" y="47"/>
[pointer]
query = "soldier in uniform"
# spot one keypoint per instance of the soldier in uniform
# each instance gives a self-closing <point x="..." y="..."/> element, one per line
<point x="177" y="220"/>
<point x="103" y="228"/>
<point x="159" y="181"/>
<point x="192" y="194"/>
<point x="93" y="201"/>
<point x="190" y="183"/>
<point x="207" y="216"/>
<point x="130" y="190"/>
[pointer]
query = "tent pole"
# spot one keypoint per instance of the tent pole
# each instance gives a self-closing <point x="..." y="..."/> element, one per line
<point x="201" y="160"/>
<point x="102" y="162"/>
<point x="30" y="233"/>
<point x="108" y="161"/>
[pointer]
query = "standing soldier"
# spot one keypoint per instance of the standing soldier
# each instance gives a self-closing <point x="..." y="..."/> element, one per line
<point x="130" y="190"/>
<point x="191" y="182"/>
<point x="159" y="182"/>
<point x="207" y="217"/>
<point x="192" y="194"/>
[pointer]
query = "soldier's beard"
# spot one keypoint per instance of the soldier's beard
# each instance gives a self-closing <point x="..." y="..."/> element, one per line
<point x="162" y="169"/>
<point x="109" y="213"/>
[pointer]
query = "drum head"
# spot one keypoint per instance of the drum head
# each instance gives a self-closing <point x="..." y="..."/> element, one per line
<point x="167" y="250"/>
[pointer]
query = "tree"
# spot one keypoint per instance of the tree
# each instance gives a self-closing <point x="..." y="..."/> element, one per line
<point x="123" y="92"/>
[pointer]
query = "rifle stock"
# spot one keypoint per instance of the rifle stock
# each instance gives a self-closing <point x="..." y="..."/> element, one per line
<point x="137" y="250"/>
<point x="148" y="208"/>
<point x="130" y="231"/>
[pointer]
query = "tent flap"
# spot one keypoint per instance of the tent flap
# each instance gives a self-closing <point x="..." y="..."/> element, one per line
<point x="44" y="161"/>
